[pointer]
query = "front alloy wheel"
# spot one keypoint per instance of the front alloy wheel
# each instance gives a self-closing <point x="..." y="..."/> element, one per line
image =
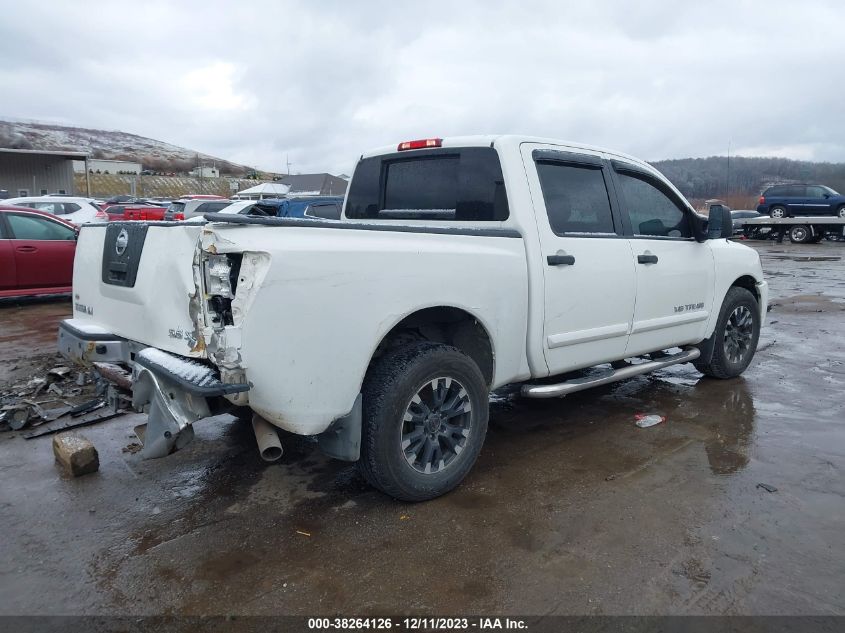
<point x="739" y="333"/>
<point x="735" y="337"/>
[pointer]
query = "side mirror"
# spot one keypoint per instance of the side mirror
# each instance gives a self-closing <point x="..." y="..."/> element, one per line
<point x="719" y="223"/>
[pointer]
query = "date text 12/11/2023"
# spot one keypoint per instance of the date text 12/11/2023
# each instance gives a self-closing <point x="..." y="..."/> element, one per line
<point x="416" y="624"/>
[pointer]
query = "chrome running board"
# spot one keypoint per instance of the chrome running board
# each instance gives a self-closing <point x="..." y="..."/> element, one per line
<point x="579" y="384"/>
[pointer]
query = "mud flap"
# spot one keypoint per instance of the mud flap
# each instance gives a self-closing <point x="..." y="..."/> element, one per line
<point x="171" y="411"/>
<point x="706" y="347"/>
<point x="342" y="440"/>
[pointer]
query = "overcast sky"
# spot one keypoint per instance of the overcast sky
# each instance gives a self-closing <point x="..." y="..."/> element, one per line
<point x="253" y="82"/>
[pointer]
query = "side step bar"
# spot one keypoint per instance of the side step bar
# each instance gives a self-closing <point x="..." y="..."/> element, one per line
<point x="579" y="384"/>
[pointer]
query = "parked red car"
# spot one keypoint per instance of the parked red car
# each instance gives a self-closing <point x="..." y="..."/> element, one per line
<point x="36" y="253"/>
<point x="144" y="212"/>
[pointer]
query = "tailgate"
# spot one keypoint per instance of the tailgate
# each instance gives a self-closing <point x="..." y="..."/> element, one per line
<point x="136" y="280"/>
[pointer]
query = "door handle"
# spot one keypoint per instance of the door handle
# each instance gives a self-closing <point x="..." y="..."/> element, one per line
<point x="646" y="259"/>
<point x="26" y="249"/>
<point x="560" y="260"/>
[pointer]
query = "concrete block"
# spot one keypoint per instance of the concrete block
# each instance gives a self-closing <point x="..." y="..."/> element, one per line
<point x="76" y="454"/>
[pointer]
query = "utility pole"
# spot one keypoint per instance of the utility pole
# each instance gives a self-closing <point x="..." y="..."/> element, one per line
<point x="287" y="160"/>
<point x="728" y="179"/>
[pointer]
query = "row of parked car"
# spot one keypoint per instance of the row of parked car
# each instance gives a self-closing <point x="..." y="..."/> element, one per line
<point x="79" y="210"/>
<point x="38" y="234"/>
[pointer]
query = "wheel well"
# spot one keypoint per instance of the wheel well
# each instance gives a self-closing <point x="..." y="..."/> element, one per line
<point x="749" y="283"/>
<point x="448" y="325"/>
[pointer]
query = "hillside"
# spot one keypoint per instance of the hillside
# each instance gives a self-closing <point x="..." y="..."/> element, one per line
<point x="697" y="178"/>
<point x="701" y="178"/>
<point x="112" y="144"/>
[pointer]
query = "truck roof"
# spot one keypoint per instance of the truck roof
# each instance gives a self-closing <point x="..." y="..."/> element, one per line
<point x="487" y="140"/>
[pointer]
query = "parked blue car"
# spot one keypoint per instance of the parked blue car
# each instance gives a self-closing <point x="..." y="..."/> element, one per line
<point x="783" y="201"/>
<point x="328" y="207"/>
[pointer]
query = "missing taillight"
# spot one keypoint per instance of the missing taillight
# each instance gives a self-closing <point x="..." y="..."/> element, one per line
<point x="221" y="281"/>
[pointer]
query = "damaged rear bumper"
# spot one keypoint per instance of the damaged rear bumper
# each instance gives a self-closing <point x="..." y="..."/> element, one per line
<point x="174" y="391"/>
<point x="86" y="343"/>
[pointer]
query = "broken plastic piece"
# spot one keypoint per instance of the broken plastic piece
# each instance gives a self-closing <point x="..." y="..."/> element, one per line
<point x="646" y="420"/>
<point x="767" y="487"/>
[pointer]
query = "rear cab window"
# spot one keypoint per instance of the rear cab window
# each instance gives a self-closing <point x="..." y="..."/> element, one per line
<point x="445" y="184"/>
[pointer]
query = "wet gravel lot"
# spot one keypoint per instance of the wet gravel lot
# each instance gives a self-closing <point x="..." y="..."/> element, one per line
<point x="571" y="509"/>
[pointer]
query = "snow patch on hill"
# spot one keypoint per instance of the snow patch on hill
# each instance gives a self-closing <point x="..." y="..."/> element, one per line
<point x="111" y="144"/>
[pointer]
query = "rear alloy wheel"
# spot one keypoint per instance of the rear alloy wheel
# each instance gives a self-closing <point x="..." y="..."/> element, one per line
<point x="841" y="211"/>
<point x="436" y="425"/>
<point x="800" y="234"/>
<point x="736" y="335"/>
<point x="425" y="418"/>
<point x="777" y="212"/>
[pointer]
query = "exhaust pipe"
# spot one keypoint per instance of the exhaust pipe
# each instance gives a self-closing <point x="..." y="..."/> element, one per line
<point x="269" y="444"/>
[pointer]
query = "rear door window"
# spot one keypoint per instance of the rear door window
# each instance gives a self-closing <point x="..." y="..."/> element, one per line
<point x="796" y="191"/>
<point x="576" y="199"/>
<point x="210" y="207"/>
<point x="463" y="184"/>
<point x="48" y="207"/>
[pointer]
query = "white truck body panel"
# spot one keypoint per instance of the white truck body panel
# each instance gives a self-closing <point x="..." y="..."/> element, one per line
<point x="330" y="296"/>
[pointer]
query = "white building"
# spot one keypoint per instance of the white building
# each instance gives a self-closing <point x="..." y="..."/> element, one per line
<point x="205" y="171"/>
<point x="111" y="166"/>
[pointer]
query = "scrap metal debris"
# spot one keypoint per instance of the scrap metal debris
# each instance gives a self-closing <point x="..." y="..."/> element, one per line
<point x="767" y="487"/>
<point x="61" y="394"/>
<point x="59" y="372"/>
<point x="74" y="423"/>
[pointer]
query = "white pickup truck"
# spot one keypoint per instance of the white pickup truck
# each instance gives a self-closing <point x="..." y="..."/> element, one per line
<point x="459" y="266"/>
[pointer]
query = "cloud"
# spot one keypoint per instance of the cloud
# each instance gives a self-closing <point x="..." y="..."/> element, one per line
<point x="259" y="82"/>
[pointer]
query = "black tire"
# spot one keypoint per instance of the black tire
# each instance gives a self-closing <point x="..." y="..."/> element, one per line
<point x="725" y="362"/>
<point x="778" y="211"/>
<point x="840" y="212"/>
<point x="391" y="384"/>
<point x="800" y="234"/>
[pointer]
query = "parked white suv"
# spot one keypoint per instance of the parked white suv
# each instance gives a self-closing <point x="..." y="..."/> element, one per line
<point x="76" y="210"/>
<point x="459" y="266"/>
